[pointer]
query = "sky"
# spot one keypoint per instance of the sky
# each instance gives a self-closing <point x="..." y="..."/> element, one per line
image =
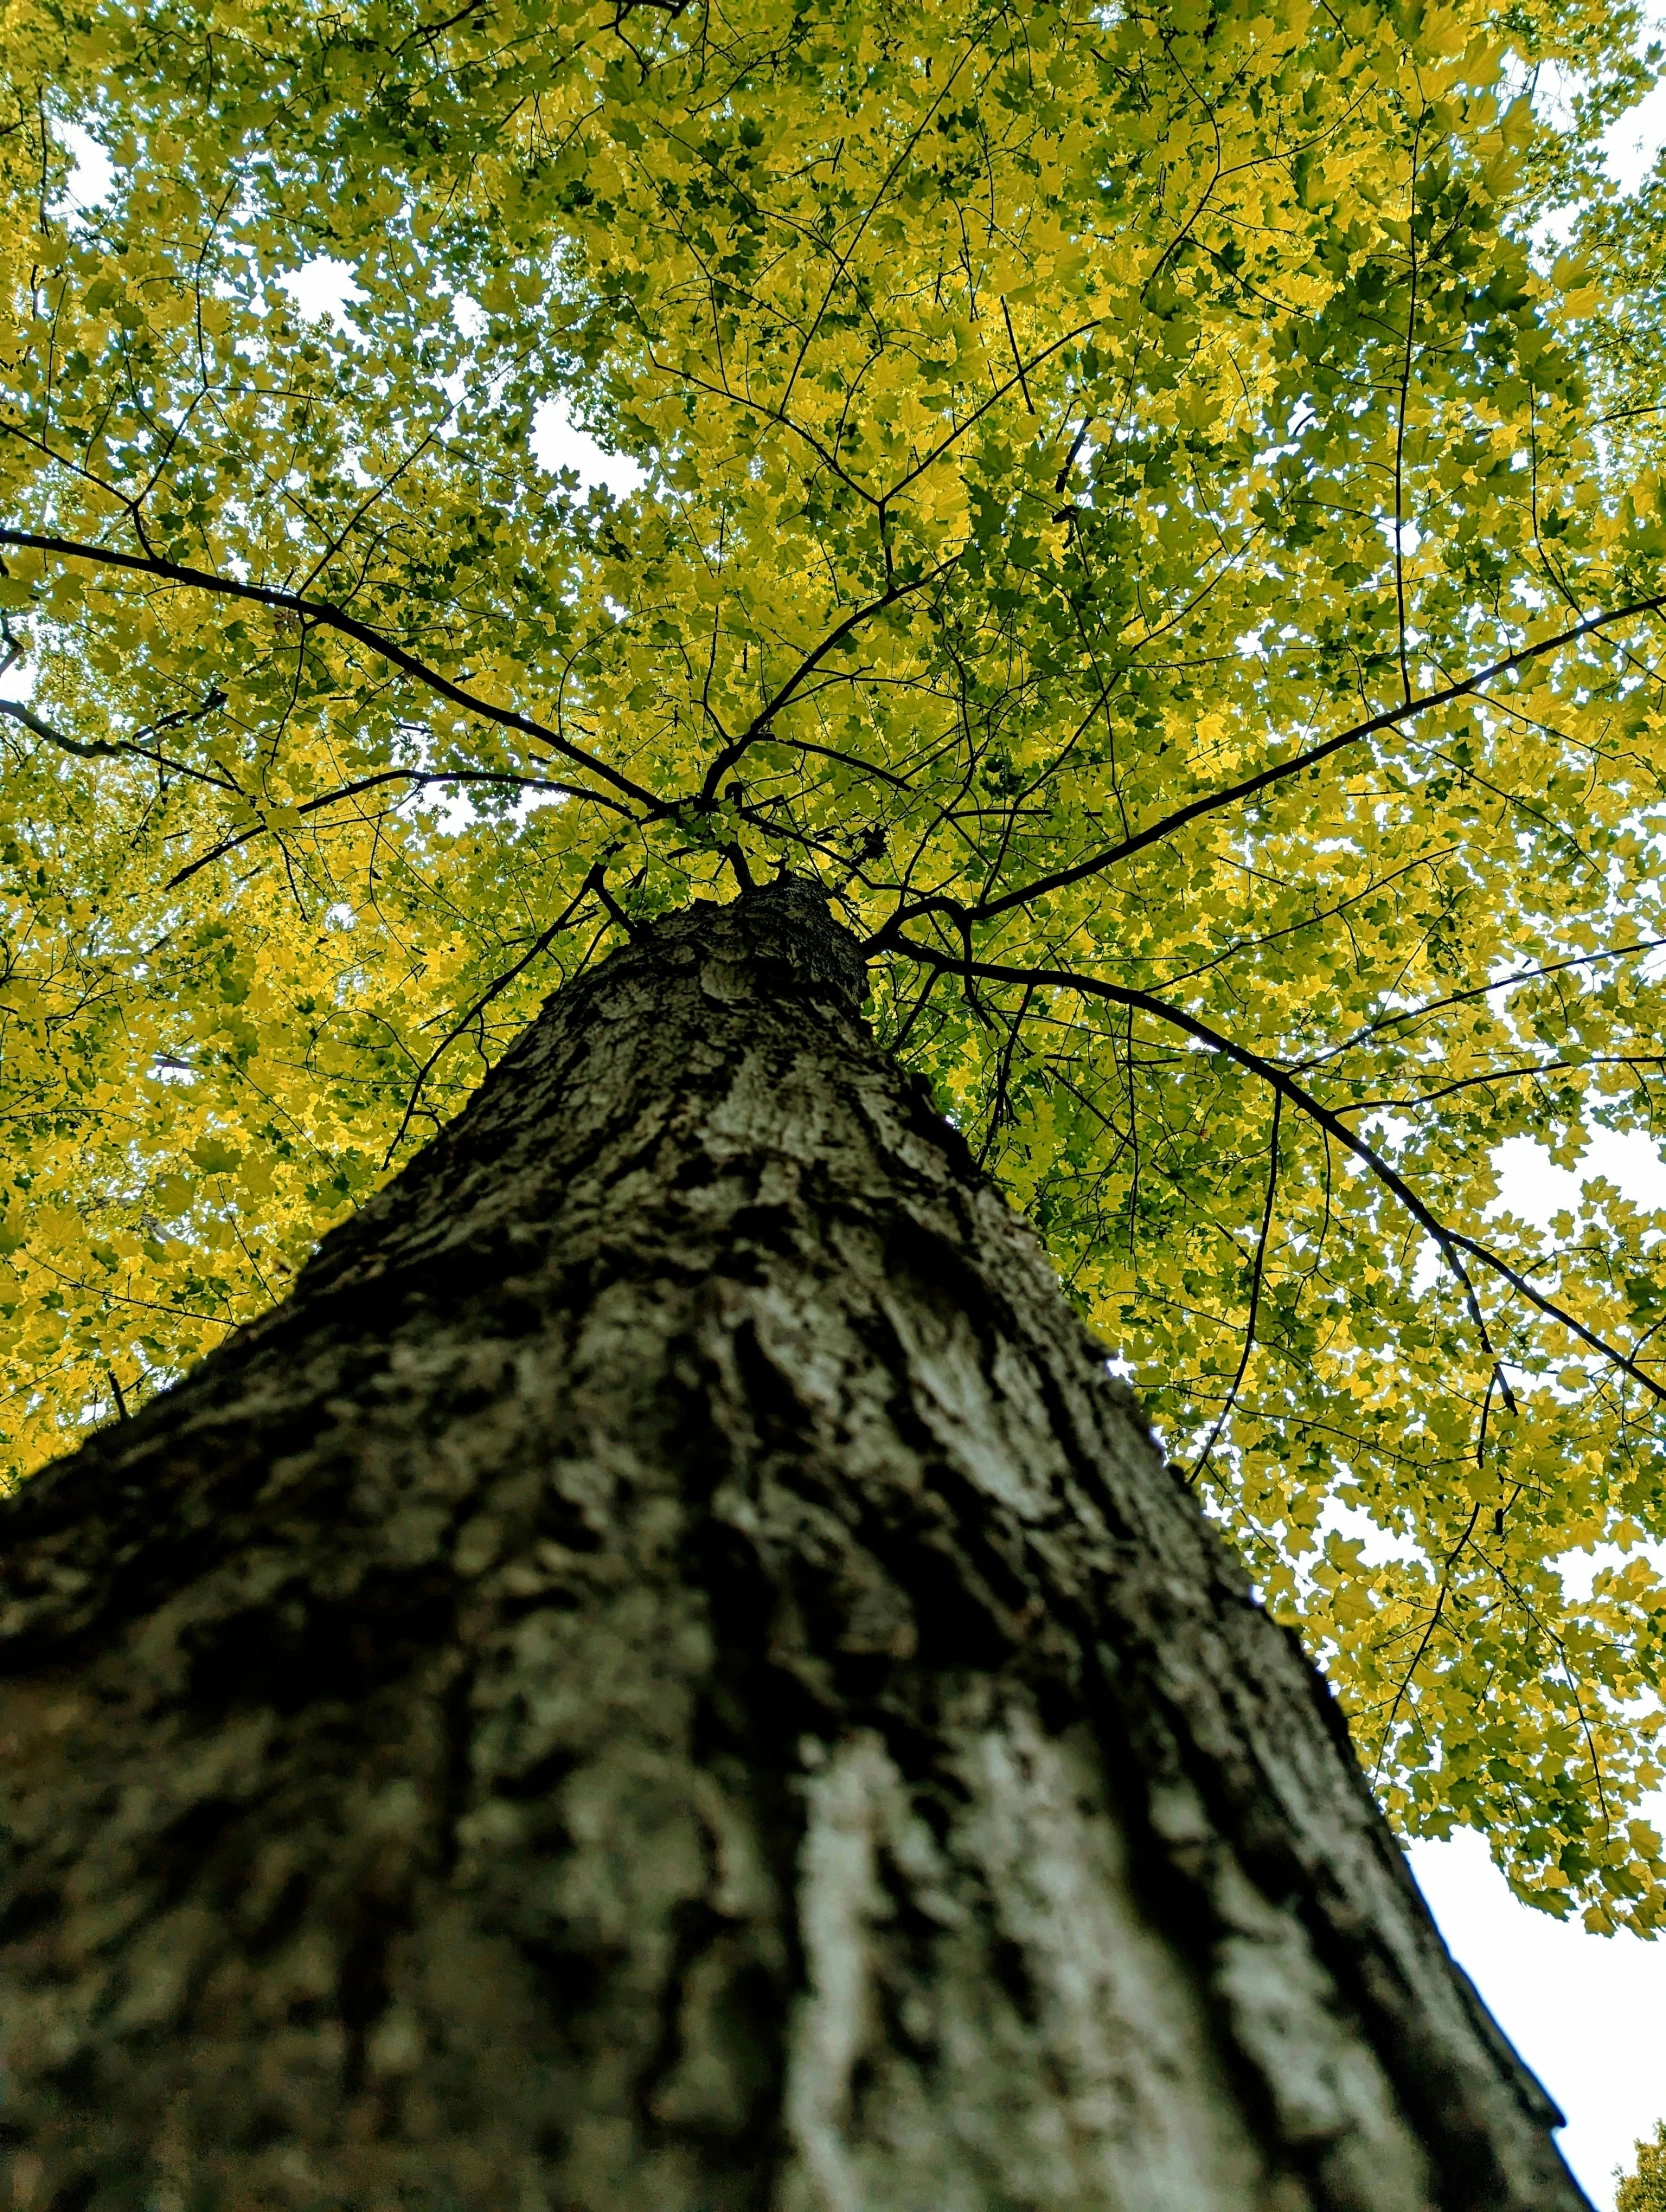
<point x="1587" y="2013"/>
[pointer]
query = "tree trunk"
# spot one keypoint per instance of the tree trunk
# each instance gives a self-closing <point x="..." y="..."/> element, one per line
<point x="667" y="1677"/>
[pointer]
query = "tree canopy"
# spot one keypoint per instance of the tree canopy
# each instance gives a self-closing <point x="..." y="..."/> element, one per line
<point x="1645" y="2189"/>
<point x="1156" y="505"/>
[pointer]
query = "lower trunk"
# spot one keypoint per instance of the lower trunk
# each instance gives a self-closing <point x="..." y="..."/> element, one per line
<point x="668" y="1678"/>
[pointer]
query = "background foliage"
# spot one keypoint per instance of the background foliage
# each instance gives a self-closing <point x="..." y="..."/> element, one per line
<point x="1157" y="504"/>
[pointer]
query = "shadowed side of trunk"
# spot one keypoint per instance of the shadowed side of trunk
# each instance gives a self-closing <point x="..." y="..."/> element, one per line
<point x="667" y="1678"/>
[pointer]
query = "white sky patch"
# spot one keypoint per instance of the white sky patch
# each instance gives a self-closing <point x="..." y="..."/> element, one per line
<point x="93" y="172"/>
<point x="557" y="444"/>
<point x="1410" y="535"/>
<point x="1427" y="1268"/>
<point x="1631" y="149"/>
<point x="1377" y="1545"/>
<point x="323" y="289"/>
<point x="1580" y="1569"/>
<point x="1631" y="146"/>
<point x="1587" y="2013"/>
<point x="1531" y="1185"/>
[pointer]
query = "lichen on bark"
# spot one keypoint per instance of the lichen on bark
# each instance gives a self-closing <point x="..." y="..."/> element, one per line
<point x="668" y="1677"/>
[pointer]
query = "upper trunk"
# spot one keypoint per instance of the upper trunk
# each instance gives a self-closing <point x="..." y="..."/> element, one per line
<point x="668" y="1676"/>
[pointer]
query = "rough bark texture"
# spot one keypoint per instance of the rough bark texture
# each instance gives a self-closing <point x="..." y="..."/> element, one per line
<point x="668" y="1678"/>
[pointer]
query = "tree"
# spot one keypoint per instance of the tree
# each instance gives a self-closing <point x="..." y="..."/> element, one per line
<point x="1123" y="503"/>
<point x="664" y="1674"/>
<point x="1645" y="2190"/>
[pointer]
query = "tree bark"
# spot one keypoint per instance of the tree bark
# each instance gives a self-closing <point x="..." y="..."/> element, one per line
<point x="667" y="1677"/>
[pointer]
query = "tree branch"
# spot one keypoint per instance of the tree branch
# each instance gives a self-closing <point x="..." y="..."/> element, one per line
<point x="386" y="776"/>
<point x="540" y="944"/>
<point x="1256" y="1274"/>
<point x="758" y="727"/>
<point x="333" y="618"/>
<point x="1025" y="894"/>
<point x="1451" y="1243"/>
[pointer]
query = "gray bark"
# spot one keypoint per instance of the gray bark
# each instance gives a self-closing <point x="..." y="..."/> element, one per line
<point x="667" y="1677"/>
